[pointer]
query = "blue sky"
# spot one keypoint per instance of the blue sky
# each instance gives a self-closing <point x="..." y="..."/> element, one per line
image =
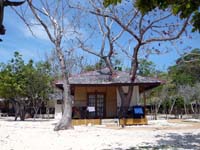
<point x="163" y="61"/>
<point x="18" y="38"/>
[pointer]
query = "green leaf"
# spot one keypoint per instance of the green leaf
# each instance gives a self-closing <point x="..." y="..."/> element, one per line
<point x="188" y="5"/>
<point x="175" y="10"/>
<point x="107" y="3"/>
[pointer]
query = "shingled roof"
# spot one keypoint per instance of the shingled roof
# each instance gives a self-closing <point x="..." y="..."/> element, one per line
<point x="103" y="77"/>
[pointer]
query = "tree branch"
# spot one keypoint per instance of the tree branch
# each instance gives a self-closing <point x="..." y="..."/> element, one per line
<point x="41" y="21"/>
<point x="169" y="38"/>
<point x="116" y="19"/>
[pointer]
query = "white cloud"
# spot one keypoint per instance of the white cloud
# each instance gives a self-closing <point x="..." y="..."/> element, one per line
<point x="38" y="32"/>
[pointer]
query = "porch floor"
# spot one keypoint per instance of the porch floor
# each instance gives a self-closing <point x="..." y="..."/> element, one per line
<point x="114" y="121"/>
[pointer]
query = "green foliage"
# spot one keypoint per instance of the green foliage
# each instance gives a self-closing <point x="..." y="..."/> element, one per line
<point x="12" y="78"/>
<point x="186" y="74"/>
<point x="167" y="103"/>
<point x="106" y="3"/>
<point x="192" y="57"/>
<point x="184" y="8"/>
<point x="179" y="103"/>
<point x="187" y="69"/>
<point x="180" y="76"/>
<point x="37" y="80"/>
<point x="21" y="81"/>
<point x="101" y="64"/>
<point x="196" y="21"/>
<point x="146" y="68"/>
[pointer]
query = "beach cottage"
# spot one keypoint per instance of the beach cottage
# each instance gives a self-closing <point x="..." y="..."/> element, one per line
<point x="95" y="96"/>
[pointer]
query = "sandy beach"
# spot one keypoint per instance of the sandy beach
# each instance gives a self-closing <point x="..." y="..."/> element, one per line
<point x="39" y="135"/>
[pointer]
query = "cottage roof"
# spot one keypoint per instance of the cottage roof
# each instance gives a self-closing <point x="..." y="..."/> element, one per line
<point x="103" y="77"/>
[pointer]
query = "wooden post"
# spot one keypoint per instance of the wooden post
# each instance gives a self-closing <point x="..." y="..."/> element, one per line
<point x="144" y="95"/>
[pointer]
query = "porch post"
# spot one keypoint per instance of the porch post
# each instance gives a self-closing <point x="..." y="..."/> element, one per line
<point x="144" y="95"/>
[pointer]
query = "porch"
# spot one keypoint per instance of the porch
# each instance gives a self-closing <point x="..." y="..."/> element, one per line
<point x="135" y="116"/>
<point x="98" y="105"/>
<point x="110" y="122"/>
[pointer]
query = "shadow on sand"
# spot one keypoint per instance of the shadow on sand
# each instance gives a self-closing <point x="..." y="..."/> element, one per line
<point x="10" y="119"/>
<point x="173" y="141"/>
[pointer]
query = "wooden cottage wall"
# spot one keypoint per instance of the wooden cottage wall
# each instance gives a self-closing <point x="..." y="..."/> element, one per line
<point x="81" y="93"/>
<point x="111" y="102"/>
<point x="80" y="96"/>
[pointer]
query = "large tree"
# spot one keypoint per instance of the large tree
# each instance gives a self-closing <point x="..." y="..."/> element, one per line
<point x="146" y="68"/>
<point x="124" y="29"/>
<point x="25" y="84"/>
<point x="187" y="68"/>
<point x="37" y="83"/>
<point x="12" y="84"/>
<point x="58" y="22"/>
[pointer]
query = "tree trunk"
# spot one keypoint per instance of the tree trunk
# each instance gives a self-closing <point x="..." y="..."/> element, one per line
<point x="19" y="109"/>
<point x="192" y="108"/>
<point x="198" y="110"/>
<point x="158" y="106"/>
<point x="156" y="111"/>
<point x="172" y="107"/>
<point x="47" y="112"/>
<point x="22" y="112"/>
<point x="196" y="107"/>
<point x="126" y="97"/>
<point x="125" y="100"/>
<point x="66" y="120"/>
<point x="185" y="108"/>
<point x="36" y="111"/>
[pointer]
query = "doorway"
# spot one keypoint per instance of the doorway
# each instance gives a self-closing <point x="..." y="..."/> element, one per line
<point x="96" y="103"/>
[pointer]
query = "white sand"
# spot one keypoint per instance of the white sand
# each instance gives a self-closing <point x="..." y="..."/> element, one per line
<point x="39" y="135"/>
